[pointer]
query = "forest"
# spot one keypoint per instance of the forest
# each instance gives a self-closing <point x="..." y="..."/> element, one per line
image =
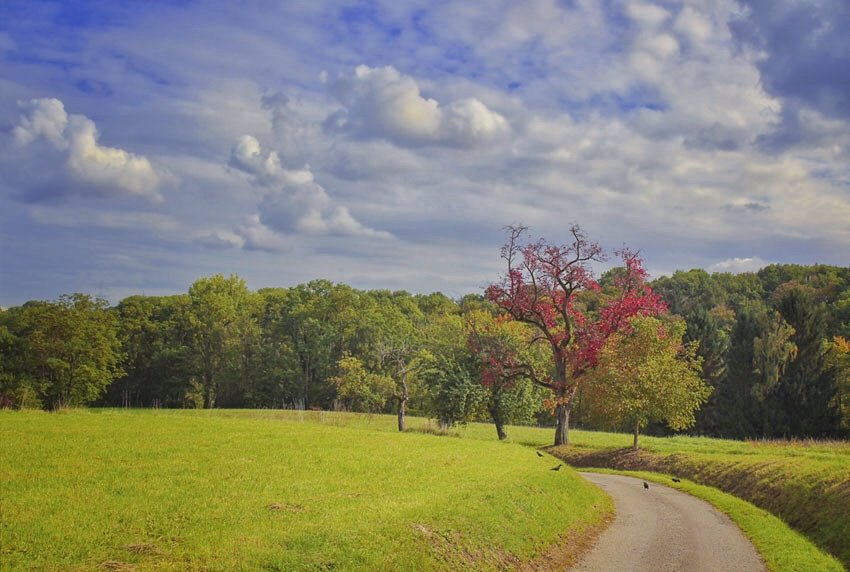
<point x="770" y="348"/>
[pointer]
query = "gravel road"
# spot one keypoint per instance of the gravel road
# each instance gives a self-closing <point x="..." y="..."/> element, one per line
<point x="661" y="529"/>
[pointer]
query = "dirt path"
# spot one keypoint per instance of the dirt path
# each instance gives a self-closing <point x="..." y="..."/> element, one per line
<point x="660" y="529"/>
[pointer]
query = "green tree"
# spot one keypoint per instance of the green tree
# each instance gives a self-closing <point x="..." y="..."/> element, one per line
<point x="712" y="340"/>
<point x="455" y="396"/>
<point x="838" y="357"/>
<point x="220" y="320"/>
<point x="648" y="375"/>
<point x="70" y="351"/>
<point x="759" y="352"/>
<point x="155" y="340"/>
<point x="688" y="292"/>
<point x="504" y="349"/>
<point x="277" y="372"/>
<point x="360" y="390"/>
<point x="807" y="392"/>
<point x="449" y="375"/>
<point x="17" y="388"/>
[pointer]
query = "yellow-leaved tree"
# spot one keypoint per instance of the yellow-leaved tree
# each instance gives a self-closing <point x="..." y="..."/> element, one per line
<point x="647" y="374"/>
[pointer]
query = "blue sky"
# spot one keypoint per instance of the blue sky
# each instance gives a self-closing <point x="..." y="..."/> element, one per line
<point x="386" y="144"/>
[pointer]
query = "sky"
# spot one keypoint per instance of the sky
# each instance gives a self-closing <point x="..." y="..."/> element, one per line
<point x="387" y="144"/>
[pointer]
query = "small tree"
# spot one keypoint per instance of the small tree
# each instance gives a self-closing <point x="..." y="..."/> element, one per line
<point x="454" y="395"/>
<point x="403" y="358"/>
<point x="502" y="345"/>
<point x="645" y="374"/>
<point x="359" y="389"/>
<point x="540" y="288"/>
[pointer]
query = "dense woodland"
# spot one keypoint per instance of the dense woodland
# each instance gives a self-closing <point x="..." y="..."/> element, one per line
<point x="772" y="347"/>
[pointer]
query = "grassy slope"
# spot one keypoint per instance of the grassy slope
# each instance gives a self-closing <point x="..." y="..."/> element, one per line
<point x="807" y="484"/>
<point x="178" y="491"/>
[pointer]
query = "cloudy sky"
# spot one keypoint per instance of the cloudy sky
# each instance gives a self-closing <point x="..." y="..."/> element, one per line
<point x="386" y="144"/>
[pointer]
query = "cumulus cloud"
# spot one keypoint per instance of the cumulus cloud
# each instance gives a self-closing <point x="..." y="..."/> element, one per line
<point x="248" y="156"/>
<point x="293" y="201"/>
<point x="42" y="118"/>
<point x="255" y="235"/>
<point x="220" y="240"/>
<point x="739" y="265"/>
<point x="383" y="103"/>
<point x="307" y="209"/>
<point x="58" y="154"/>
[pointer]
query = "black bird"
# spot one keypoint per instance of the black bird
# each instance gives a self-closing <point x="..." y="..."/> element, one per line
<point x="558" y="468"/>
<point x="677" y="480"/>
<point x="539" y="454"/>
<point x="646" y="486"/>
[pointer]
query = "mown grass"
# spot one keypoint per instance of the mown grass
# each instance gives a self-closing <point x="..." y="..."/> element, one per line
<point x="118" y="490"/>
<point x="781" y="548"/>
<point x="805" y="483"/>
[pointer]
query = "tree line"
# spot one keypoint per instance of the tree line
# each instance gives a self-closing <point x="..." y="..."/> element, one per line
<point x="774" y="346"/>
<point x="750" y="355"/>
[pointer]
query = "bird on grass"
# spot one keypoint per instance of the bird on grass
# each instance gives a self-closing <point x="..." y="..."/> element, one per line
<point x="558" y="468"/>
<point x="677" y="480"/>
<point x="539" y="454"/>
<point x="646" y="486"/>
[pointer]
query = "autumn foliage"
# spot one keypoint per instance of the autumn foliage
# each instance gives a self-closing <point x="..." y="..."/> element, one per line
<point x="541" y="286"/>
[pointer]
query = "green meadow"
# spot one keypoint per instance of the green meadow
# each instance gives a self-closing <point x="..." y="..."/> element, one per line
<point x="312" y="490"/>
<point x="171" y="490"/>
<point x="804" y="483"/>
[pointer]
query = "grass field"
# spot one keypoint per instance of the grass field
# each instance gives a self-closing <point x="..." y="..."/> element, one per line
<point x="168" y="490"/>
<point x="804" y="483"/>
<point x="297" y="490"/>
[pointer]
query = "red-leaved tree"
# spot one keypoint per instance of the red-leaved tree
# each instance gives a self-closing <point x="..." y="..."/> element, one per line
<point x="540" y="288"/>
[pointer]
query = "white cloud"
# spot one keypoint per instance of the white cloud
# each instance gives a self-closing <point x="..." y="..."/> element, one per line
<point x="257" y="236"/>
<point x="75" y="162"/>
<point x="383" y="103"/>
<point x="739" y="265"/>
<point x="108" y="167"/>
<point x="248" y="156"/>
<point x="42" y="118"/>
<point x="293" y="201"/>
<point x="307" y="209"/>
<point x="647" y="13"/>
<point x="642" y="121"/>
<point x="221" y="239"/>
<point x="693" y="25"/>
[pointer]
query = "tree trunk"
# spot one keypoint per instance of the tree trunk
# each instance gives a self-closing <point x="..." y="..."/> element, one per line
<point x="402" y="406"/>
<point x="499" y="422"/>
<point x="500" y="429"/>
<point x="637" y="432"/>
<point x="562" y="430"/>
<point x="209" y="390"/>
